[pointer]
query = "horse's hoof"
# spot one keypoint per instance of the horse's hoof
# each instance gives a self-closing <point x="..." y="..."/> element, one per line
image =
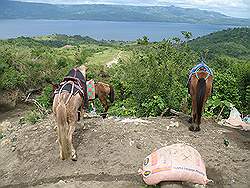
<point x="190" y="120"/>
<point x="104" y="115"/>
<point x="194" y="129"/>
<point x="61" y="157"/>
<point x="74" y="157"/>
<point x="78" y="116"/>
<point x="191" y="128"/>
<point x="197" y="129"/>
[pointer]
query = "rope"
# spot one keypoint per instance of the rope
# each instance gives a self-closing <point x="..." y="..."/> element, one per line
<point x="71" y="92"/>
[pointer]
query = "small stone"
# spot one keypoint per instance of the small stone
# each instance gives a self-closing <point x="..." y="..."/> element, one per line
<point x="48" y="127"/>
<point x="199" y="186"/>
<point x="76" y="172"/>
<point x="34" y="128"/>
<point x="5" y="142"/>
<point x="138" y="146"/>
<point x="61" y="182"/>
<point x="13" y="148"/>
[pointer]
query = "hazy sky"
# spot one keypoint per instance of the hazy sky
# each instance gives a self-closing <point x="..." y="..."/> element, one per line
<point x="235" y="8"/>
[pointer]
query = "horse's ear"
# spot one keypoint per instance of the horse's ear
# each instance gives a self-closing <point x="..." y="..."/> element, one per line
<point x="83" y="68"/>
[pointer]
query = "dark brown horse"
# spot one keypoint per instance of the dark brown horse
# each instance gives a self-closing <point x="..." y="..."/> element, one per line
<point x="200" y="88"/>
<point x="104" y="91"/>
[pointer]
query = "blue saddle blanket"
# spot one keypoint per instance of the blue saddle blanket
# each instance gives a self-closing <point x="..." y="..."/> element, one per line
<point x="200" y="67"/>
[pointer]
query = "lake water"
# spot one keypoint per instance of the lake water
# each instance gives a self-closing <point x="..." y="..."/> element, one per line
<point x="103" y="29"/>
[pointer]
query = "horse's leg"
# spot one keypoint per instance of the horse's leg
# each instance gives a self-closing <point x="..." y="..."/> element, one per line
<point x="104" y="104"/>
<point x="72" y="123"/>
<point x="55" y="103"/>
<point x="196" y="122"/>
<point x="193" y="125"/>
<point x="93" y="106"/>
<point x="60" y="146"/>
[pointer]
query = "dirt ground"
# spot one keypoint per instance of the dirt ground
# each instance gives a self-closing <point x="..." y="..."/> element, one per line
<point x="110" y="152"/>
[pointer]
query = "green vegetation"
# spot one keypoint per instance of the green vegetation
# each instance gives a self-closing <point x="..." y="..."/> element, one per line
<point x="147" y="77"/>
<point x="32" y="117"/>
<point x="231" y="42"/>
<point x="231" y="64"/>
<point x="24" y="10"/>
<point x="152" y="79"/>
<point x="155" y="76"/>
<point x="32" y="63"/>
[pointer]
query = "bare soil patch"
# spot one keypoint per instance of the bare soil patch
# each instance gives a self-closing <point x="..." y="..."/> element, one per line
<point x="110" y="152"/>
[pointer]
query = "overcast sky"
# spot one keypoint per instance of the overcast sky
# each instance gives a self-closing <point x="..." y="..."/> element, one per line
<point x="235" y="8"/>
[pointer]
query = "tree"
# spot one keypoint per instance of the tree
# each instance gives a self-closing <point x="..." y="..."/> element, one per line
<point x="187" y="35"/>
<point x="143" y="41"/>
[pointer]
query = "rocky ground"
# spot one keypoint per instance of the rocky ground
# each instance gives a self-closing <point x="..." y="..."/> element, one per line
<point x="110" y="152"/>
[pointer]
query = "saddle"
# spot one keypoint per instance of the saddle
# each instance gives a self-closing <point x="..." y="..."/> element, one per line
<point x="79" y="86"/>
<point x="201" y="67"/>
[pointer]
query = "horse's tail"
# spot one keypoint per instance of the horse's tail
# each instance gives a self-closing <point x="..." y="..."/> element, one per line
<point x="112" y="94"/>
<point x="61" y="118"/>
<point x="201" y="90"/>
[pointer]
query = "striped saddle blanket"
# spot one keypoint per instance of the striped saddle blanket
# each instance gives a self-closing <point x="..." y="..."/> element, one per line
<point x="91" y="89"/>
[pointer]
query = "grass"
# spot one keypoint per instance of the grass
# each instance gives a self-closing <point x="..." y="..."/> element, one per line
<point x="32" y="117"/>
<point x="103" y="57"/>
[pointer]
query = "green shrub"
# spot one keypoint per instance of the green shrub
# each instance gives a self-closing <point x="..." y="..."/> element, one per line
<point x="32" y="117"/>
<point x="45" y="99"/>
<point x="153" y="78"/>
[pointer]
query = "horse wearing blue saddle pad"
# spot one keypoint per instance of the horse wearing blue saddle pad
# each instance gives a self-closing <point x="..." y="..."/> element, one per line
<point x="201" y="67"/>
<point x="200" y="88"/>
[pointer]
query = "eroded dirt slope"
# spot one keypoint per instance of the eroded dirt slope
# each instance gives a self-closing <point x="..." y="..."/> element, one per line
<point x="111" y="151"/>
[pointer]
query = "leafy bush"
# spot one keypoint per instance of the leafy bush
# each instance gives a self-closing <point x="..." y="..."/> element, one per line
<point x="45" y="99"/>
<point x="153" y="78"/>
<point x="32" y="117"/>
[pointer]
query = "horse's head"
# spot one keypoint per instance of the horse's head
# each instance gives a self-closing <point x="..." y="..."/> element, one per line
<point x="83" y="69"/>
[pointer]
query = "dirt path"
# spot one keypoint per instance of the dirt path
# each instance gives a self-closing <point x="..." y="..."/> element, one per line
<point x="111" y="151"/>
<point x="115" y="60"/>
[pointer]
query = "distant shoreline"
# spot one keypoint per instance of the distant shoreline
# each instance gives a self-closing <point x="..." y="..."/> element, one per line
<point x="118" y="13"/>
<point x="114" y="21"/>
<point x="107" y="30"/>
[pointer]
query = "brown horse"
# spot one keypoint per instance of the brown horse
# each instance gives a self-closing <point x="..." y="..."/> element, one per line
<point x="102" y="91"/>
<point x="200" y="88"/>
<point x="65" y="108"/>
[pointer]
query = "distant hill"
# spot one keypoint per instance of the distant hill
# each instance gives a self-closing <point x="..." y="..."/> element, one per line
<point x="24" y="10"/>
<point x="232" y="42"/>
<point x="54" y="40"/>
